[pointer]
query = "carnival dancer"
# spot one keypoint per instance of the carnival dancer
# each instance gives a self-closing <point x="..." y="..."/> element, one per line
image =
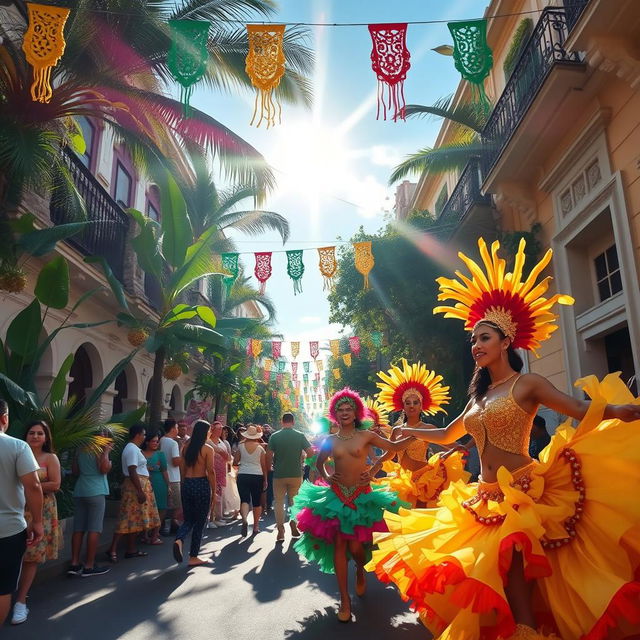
<point x="419" y="476"/>
<point x="338" y="516"/>
<point x="554" y="543"/>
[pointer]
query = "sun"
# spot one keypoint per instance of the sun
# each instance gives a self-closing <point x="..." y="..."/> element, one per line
<point x="310" y="159"/>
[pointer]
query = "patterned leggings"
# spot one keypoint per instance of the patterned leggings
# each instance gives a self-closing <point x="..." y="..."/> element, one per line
<point x="196" y="497"/>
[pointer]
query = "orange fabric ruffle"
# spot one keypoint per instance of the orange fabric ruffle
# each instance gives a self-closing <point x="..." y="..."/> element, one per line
<point x="573" y="518"/>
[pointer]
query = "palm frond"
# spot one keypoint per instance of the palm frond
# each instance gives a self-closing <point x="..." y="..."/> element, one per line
<point x="435" y="161"/>
<point x="222" y="10"/>
<point x="470" y="115"/>
<point x="256" y="222"/>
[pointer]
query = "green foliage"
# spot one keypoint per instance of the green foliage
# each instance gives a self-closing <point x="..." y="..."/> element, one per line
<point x="52" y="287"/>
<point x="509" y="241"/>
<point x="518" y="41"/>
<point x="442" y="199"/>
<point x="400" y="303"/>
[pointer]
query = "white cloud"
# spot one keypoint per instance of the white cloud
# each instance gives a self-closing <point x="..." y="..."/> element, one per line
<point x="384" y="155"/>
<point x="371" y="196"/>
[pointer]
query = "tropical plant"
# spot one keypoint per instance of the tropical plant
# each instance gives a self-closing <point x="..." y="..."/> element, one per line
<point x="114" y="70"/>
<point x="400" y="304"/>
<point x="468" y="120"/>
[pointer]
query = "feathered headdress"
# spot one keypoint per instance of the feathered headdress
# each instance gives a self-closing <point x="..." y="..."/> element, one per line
<point x="518" y="307"/>
<point x="412" y="378"/>
<point x="376" y="411"/>
<point x="349" y="396"/>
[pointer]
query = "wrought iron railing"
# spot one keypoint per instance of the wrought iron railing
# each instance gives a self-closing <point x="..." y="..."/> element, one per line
<point x="107" y="234"/>
<point x="573" y="10"/>
<point x="465" y="195"/>
<point x="544" y="50"/>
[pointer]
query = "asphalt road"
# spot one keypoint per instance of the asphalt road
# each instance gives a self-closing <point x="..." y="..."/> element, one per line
<point x="254" y="590"/>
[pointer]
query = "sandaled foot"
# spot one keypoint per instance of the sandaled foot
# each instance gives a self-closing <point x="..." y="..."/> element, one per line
<point x="177" y="551"/>
<point x="112" y="556"/>
<point x="361" y="581"/>
<point x="197" y="562"/>
<point x="344" y="612"/>
<point x="280" y="536"/>
<point x="135" y="554"/>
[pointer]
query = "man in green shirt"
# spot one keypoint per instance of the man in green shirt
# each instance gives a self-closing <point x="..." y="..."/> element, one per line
<point x="285" y="452"/>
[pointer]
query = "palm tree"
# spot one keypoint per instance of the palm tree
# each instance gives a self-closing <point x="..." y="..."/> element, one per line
<point x="468" y="119"/>
<point x="114" y="70"/>
<point x="209" y="207"/>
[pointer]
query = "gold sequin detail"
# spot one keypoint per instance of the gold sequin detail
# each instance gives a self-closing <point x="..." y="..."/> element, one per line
<point x="503" y="423"/>
<point x="417" y="450"/>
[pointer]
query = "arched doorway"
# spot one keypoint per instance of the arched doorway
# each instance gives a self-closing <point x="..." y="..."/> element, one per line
<point x="82" y="376"/>
<point x="122" y="392"/>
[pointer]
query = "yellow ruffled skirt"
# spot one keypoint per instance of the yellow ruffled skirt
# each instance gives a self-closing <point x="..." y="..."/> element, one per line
<point x="574" y="516"/>
<point x="424" y="486"/>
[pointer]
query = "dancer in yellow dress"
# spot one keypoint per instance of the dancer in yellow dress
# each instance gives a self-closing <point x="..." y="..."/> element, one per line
<point x="418" y="477"/>
<point x="553" y="544"/>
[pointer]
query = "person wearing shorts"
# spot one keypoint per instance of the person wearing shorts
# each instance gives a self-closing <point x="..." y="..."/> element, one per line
<point x="252" y="476"/>
<point x="89" y="497"/>
<point x="171" y="449"/>
<point x="20" y="486"/>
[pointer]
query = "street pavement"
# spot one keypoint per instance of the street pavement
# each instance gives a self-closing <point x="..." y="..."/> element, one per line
<point x="254" y="589"/>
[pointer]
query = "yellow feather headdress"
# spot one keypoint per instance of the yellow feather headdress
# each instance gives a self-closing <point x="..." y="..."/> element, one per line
<point x="509" y="300"/>
<point x="412" y="377"/>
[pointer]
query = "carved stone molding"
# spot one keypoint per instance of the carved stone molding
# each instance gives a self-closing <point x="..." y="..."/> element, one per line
<point x="616" y="55"/>
<point x="515" y="202"/>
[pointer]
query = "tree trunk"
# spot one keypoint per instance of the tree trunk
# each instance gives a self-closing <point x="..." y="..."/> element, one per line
<point x="155" y="408"/>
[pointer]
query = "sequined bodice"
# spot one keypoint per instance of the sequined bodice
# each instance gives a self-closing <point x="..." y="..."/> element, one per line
<point x="503" y="423"/>
<point x="417" y="450"/>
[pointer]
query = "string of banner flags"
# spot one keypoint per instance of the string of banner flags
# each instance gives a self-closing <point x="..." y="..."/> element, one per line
<point x="265" y="62"/>
<point x="328" y="265"/>
<point x="297" y="385"/>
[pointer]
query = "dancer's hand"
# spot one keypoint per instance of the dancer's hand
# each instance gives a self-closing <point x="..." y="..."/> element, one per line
<point x="365" y="478"/>
<point x="627" y="412"/>
<point x="335" y="477"/>
<point x="457" y="447"/>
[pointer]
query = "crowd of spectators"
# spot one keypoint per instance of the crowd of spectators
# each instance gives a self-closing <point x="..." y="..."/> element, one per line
<point x="175" y="480"/>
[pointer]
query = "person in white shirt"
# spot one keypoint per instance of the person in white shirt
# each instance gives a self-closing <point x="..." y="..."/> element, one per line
<point x="138" y="511"/>
<point x="169" y="446"/>
<point x="20" y="485"/>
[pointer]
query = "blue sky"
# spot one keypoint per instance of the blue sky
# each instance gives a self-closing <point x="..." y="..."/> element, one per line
<point x="333" y="161"/>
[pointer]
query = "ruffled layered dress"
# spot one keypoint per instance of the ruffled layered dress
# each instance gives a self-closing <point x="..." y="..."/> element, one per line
<point x="574" y="517"/>
<point x="425" y="485"/>
<point x="323" y="511"/>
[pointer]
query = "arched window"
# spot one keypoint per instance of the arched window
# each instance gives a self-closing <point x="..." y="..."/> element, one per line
<point x="153" y="203"/>
<point x="82" y="376"/>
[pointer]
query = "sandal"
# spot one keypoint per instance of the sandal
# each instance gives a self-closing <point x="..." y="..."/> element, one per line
<point x="112" y="556"/>
<point x="135" y="554"/>
<point x="155" y="542"/>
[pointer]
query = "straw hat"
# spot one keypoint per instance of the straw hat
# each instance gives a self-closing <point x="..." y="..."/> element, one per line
<point x="251" y="433"/>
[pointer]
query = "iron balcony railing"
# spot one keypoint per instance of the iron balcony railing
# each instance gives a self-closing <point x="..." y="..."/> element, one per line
<point x="544" y="50"/>
<point x="573" y="10"/>
<point x="107" y="234"/>
<point x="466" y="195"/>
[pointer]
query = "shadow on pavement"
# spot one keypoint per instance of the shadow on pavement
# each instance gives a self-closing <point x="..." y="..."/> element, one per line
<point x="323" y="624"/>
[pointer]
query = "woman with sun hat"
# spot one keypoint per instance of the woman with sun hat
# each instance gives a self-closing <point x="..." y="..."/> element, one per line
<point x="552" y="544"/>
<point x="417" y="477"/>
<point x="337" y="517"/>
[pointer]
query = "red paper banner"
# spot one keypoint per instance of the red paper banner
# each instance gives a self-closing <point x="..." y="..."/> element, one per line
<point x="313" y="349"/>
<point x="354" y="345"/>
<point x="276" y="348"/>
<point x="262" y="269"/>
<point x="390" y="61"/>
<point x="294" y="368"/>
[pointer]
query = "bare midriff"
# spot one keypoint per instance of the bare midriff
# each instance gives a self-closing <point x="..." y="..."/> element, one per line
<point x="350" y="458"/>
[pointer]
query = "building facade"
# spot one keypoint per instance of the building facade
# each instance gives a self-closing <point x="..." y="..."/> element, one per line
<point x="107" y="179"/>
<point x="561" y="155"/>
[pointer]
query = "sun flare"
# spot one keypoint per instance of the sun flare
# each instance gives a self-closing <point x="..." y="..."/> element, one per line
<point x="310" y="159"/>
